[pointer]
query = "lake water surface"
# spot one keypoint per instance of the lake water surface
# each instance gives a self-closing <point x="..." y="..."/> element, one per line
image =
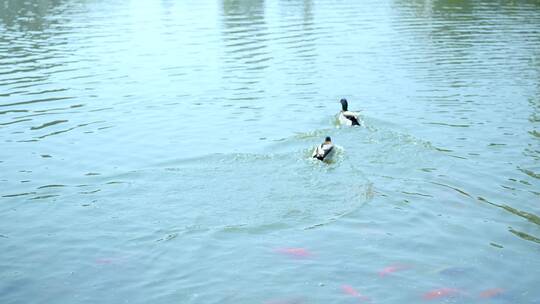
<point x="159" y="151"/>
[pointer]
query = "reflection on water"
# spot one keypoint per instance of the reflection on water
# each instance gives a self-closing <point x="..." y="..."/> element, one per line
<point x="164" y="148"/>
<point x="245" y="36"/>
<point x="29" y="17"/>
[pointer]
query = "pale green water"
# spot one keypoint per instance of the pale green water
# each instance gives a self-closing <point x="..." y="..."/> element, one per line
<point x="158" y="151"/>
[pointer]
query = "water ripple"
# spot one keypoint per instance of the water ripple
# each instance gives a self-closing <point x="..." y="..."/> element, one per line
<point x="168" y="124"/>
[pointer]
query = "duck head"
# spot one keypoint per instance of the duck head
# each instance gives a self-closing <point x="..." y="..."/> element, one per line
<point x="344" y="104"/>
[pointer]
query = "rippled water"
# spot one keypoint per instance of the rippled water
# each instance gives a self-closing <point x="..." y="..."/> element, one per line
<point x="159" y="151"/>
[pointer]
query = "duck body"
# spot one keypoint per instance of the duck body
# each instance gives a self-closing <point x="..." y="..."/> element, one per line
<point x="346" y="117"/>
<point x="324" y="151"/>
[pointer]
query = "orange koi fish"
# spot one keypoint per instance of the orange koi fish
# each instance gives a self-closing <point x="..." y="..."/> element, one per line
<point x="391" y="269"/>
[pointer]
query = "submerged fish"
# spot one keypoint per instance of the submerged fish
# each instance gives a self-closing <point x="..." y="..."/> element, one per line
<point x="285" y="301"/>
<point x="105" y="261"/>
<point x="348" y="289"/>
<point x="455" y="271"/>
<point x="295" y="252"/>
<point x="111" y="260"/>
<point x="391" y="269"/>
<point x="491" y="293"/>
<point x="441" y="293"/>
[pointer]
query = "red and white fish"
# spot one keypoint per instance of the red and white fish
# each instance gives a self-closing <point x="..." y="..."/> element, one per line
<point x="295" y="252"/>
<point x="348" y="289"/>
<point x="391" y="269"/>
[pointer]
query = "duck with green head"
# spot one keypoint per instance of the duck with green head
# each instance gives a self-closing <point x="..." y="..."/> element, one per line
<point x="346" y="117"/>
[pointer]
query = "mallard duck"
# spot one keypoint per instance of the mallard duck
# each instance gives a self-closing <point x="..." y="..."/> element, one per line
<point x="347" y="117"/>
<point x="324" y="151"/>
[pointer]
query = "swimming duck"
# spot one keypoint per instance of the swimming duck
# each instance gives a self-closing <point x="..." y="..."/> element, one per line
<point x="347" y="117"/>
<point x="324" y="151"/>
